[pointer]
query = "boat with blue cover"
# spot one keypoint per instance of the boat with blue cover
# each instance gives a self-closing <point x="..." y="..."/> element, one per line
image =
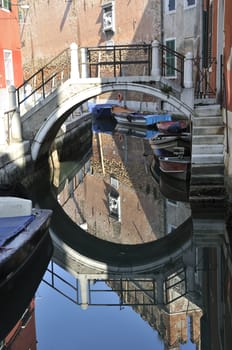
<point x="129" y="117"/>
<point x="101" y="110"/>
<point x="25" y="251"/>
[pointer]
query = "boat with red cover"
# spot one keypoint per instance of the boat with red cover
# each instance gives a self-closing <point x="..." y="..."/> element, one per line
<point x="173" y="127"/>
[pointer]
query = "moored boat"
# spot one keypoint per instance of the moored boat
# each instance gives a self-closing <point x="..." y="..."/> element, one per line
<point x="26" y="249"/>
<point x="170" y="187"/>
<point x="173" y="127"/>
<point x="164" y="141"/>
<point x="101" y="110"/>
<point x="137" y="131"/>
<point x="125" y="116"/>
<point x="176" y="166"/>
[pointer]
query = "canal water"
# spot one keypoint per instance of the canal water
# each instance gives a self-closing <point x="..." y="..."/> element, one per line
<point x="133" y="266"/>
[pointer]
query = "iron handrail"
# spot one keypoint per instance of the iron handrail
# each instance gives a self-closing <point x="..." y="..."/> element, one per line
<point x="117" y="60"/>
<point x="43" y="76"/>
<point x="178" y="66"/>
<point x="121" y="57"/>
<point x="205" y="76"/>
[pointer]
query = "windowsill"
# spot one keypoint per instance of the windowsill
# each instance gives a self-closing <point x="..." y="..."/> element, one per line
<point x="4" y="9"/>
<point x="171" y="12"/>
<point x="190" y="7"/>
<point x="171" y="77"/>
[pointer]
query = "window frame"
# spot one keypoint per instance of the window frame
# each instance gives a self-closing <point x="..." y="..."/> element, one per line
<point x="8" y="67"/>
<point x="187" y="6"/>
<point x="5" y="5"/>
<point x="167" y="7"/>
<point x="108" y="10"/>
<point x="170" y="75"/>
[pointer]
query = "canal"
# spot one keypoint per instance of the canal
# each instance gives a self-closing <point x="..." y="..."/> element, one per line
<point x="132" y="266"/>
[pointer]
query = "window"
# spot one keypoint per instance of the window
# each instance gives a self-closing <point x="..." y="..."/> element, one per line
<point x="5" y="4"/>
<point x="9" y="71"/>
<point x="114" y="205"/>
<point x="171" y="5"/>
<point x="170" y="58"/>
<point x="189" y="3"/>
<point x="114" y="182"/>
<point x="108" y="17"/>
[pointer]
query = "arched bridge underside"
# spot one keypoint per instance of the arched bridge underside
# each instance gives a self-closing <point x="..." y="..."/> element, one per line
<point x="102" y="256"/>
<point x="73" y="94"/>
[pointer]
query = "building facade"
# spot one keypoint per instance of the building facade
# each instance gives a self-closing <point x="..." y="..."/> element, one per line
<point x="10" y="51"/>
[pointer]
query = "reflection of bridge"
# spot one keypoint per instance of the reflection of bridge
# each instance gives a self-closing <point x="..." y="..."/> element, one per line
<point x="86" y="255"/>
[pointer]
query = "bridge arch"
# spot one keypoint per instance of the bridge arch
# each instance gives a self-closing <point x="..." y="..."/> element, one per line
<point x="77" y="96"/>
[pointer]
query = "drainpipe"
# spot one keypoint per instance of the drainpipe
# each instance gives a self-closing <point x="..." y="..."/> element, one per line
<point x="162" y="22"/>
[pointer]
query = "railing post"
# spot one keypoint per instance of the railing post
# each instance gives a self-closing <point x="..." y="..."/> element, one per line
<point x="155" y="68"/>
<point x="159" y="290"/>
<point x="74" y="62"/>
<point x="16" y="127"/>
<point x="84" y="290"/>
<point x="188" y="70"/>
<point x="84" y="63"/>
<point x="12" y="97"/>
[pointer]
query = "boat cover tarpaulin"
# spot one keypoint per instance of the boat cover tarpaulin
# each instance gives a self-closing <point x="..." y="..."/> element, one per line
<point x="156" y="118"/>
<point x="12" y="226"/>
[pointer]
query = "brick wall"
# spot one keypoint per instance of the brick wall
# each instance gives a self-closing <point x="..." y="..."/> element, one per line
<point x="50" y="27"/>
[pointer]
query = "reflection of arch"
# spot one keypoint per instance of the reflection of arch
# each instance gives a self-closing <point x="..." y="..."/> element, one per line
<point x="78" y="96"/>
<point x="111" y="257"/>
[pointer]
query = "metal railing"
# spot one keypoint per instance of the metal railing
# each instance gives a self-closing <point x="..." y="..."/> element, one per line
<point x="119" y="60"/>
<point x="173" y="68"/>
<point x="44" y="81"/>
<point x="103" y="292"/>
<point x="205" y="77"/>
<point x="115" y="61"/>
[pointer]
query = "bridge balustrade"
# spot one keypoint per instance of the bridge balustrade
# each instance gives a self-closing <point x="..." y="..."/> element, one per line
<point x="163" y="65"/>
<point x="100" y="62"/>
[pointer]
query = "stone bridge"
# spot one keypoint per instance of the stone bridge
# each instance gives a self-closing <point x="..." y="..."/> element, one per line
<point x="38" y="116"/>
<point x="41" y="123"/>
<point x="37" y="110"/>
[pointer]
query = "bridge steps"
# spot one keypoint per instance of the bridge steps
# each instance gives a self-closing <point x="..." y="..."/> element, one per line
<point x="208" y="139"/>
<point x="208" y="233"/>
<point x="207" y="169"/>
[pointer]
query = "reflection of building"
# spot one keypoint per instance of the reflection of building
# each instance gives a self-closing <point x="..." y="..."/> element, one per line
<point x="118" y="199"/>
<point x="23" y="335"/>
<point x="176" y="323"/>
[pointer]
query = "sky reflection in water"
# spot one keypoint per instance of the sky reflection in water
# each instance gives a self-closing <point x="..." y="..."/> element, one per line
<point x="62" y="324"/>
